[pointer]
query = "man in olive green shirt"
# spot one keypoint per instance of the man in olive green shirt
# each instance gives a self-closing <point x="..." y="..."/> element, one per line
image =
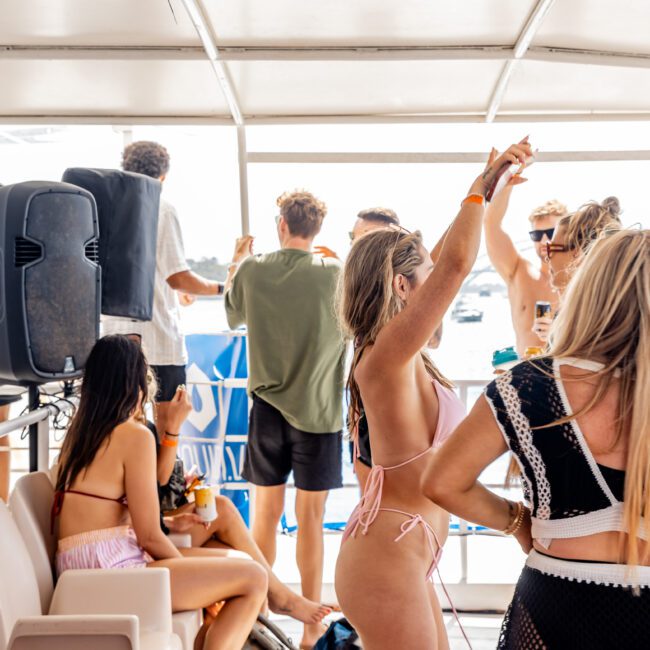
<point x="296" y="357"/>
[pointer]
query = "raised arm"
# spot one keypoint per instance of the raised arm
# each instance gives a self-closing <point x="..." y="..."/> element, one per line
<point x="142" y="495"/>
<point x="437" y="249"/>
<point x="243" y="249"/>
<point x="451" y="477"/>
<point x="176" y="412"/>
<point x="408" y="332"/>
<point x="500" y="247"/>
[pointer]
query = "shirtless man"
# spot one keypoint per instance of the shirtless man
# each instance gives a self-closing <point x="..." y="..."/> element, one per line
<point x="527" y="282"/>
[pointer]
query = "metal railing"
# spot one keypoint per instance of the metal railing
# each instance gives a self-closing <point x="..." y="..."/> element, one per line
<point x="39" y="418"/>
<point x="463" y="529"/>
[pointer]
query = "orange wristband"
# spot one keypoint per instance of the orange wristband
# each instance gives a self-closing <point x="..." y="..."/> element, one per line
<point x="473" y="198"/>
<point x="169" y="443"/>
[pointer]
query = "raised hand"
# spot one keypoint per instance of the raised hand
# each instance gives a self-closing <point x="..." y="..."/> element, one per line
<point x="325" y="252"/>
<point x="541" y="327"/>
<point x="516" y="178"/>
<point x="178" y="409"/>
<point x="243" y="248"/>
<point x="518" y="154"/>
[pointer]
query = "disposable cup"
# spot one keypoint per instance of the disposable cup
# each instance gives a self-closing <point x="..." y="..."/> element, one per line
<point x="205" y="504"/>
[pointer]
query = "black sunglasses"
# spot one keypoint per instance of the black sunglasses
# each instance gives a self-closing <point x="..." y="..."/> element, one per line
<point x="538" y="235"/>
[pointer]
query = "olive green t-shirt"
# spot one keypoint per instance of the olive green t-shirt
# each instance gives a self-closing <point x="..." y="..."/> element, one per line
<point x="295" y="348"/>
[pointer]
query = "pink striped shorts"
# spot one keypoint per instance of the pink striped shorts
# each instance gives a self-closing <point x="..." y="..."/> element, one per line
<point x="107" y="548"/>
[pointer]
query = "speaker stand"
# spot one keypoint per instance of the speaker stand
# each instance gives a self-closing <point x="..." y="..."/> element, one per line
<point x="34" y="403"/>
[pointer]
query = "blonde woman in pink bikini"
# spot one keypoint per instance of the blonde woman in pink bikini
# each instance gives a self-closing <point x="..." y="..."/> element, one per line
<point x="392" y="300"/>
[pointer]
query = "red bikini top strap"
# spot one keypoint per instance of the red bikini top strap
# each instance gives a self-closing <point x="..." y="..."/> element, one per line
<point x="59" y="495"/>
<point x="121" y="500"/>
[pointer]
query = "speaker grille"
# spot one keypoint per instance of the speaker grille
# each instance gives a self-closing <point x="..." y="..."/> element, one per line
<point x="92" y="251"/>
<point x="26" y="251"/>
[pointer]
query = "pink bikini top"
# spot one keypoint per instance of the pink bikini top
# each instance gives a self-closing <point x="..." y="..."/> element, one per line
<point x="450" y="414"/>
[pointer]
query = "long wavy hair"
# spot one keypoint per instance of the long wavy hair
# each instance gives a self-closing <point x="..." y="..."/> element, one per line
<point x="367" y="299"/>
<point x="114" y="387"/>
<point x="606" y="317"/>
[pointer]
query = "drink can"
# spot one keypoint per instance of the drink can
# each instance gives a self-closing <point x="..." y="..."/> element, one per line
<point x="542" y="309"/>
<point x="204" y="503"/>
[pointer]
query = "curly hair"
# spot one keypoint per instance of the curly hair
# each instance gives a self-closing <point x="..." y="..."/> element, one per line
<point x="303" y="212"/>
<point x="146" y="157"/>
<point x="550" y="209"/>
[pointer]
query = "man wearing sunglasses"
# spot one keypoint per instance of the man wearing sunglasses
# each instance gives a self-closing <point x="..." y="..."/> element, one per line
<point x="527" y="282"/>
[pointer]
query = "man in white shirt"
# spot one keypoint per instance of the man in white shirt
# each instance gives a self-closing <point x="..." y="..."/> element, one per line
<point x="162" y="338"/>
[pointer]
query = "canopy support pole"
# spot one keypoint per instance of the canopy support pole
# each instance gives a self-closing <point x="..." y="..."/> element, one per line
<point x="521" y="47"/>
<point x="242" y="159"/>
<point x="207" y="34"/>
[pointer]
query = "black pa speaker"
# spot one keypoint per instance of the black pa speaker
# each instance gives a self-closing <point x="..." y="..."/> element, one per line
<point x="127" y="207"/>
<point x="50" y="281"/>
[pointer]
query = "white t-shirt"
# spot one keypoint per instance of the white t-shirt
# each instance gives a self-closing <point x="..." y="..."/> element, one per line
<point x="162" y="338"/>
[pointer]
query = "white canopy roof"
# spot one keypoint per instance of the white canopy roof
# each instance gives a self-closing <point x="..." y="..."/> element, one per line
<point x="257" y="61"/>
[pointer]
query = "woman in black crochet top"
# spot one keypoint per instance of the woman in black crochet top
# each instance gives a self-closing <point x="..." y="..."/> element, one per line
<point x="578" y="423"/>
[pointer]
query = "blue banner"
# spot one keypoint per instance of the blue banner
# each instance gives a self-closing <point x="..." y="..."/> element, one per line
<point x="214" y="435"/>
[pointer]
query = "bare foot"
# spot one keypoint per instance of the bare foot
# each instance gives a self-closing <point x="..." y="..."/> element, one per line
<point x="292" y="604"/>
<point x="311" y="634"/>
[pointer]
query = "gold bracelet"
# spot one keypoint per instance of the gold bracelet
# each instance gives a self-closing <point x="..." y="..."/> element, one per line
<point x="519" y="523"/>
<point x="517" y="520"/>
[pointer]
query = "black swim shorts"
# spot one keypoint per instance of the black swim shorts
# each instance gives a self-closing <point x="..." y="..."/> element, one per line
<point x="275" y="448"/>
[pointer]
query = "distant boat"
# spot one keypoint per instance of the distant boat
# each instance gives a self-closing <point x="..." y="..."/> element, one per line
<point x="465" y="313"/>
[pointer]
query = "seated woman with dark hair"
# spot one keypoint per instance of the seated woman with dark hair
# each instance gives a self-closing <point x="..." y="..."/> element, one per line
<point x="107" y="500"/>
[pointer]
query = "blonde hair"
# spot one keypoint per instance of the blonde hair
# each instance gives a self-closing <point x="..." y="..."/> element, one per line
<point x="367" y="300"/>
<point x="592" y="219"/>
<point x="550" y="209"/>
<point x="606" y="317"/>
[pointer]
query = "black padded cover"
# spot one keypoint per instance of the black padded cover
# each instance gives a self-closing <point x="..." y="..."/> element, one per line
<point x="127" y="205"/>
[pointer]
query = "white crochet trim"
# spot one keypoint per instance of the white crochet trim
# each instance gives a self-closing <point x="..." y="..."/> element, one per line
<point x="600" y="521"/>
<point x="524" y="433"/>
<point x="586" y="452"/>
<point x="611" y="575"/>
<point x="524" y="477"/>
<point x="606" y="520"/>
